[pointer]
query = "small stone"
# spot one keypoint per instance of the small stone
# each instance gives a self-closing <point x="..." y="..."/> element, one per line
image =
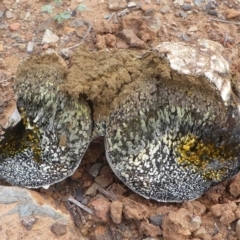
<point x="117" y="5"/>
<point x="103" y="233"/>
<point x="213" y="12"/>
<point x="28" y="222"/>
<point x="134" y="210"/>
<point x="77" y="23"/>
<point x="9" y="14"/>
<point x="132" y="5"/>
<point x="95" y="169"/>
<point x="227" y="217"/>
<point x="116" y="211"/>
<point x="183" y="14"/>
<point x="14" y="26"/>
<point x="238" y="229"/>
<point x="232" y="13"/>
<point x="149" y="229"/>
<point x="156" y="220"/>
<point x="22" y="46"/>
<point x="92" y="190"/>
<point x="193" y="28"/>
<point x="110" y="40"/>
<point x="103" y="181"/>
<point x="210" y="5"/>
<point x="30" y="47"/>
<point x="101" y="207"/>
<point x="59" y="229"/>
<point x="49" y="37"/>
<point x="200" y="232"/>
<point x="147" y="9"/>
<point x="132" y="39"/>
<point x="186" y="7"/>
<point x="198" y="2"/>
<point x="1" y="13"/>
<point x="165" y="9"/>
<point x="217" y="210"/>
<point x="1" y="47"/>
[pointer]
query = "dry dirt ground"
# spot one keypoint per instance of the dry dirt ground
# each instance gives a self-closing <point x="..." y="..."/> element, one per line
<point x="138" y="26"/>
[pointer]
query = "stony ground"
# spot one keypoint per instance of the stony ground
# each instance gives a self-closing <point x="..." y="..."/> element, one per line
<point x="36" y="27"/>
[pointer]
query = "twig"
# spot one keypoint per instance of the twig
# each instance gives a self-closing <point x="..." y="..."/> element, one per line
<point x="83" y="40"/>
<point x="224" y="21"/>
<point x="73" y="213"/>
<point x="80" y="213"/>
<point x="88" y="210"/>
<point x="108" y="194"/>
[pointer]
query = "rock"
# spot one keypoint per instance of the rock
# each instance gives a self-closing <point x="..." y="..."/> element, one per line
<point x="182" y="223"/>
<point x="186" y="7"/>
<point x="1" y="47"/>
<point x="101" y="207"/>
<point x="149" y="229"/>
<point x="117" y="5"/>
<point x="232" y="13"/>
<point x="116" y="211"/>
<point x="134" y="210"/>
<point x="95" y="169"/>
<point x="28" y="208"/>
<point x="28" y="222"/>
<point x="195" y="207"/>
<point x="30" y="47"/>
<point x="238" y="229"/>
<point x="1" y="13"/>
<point x="165" y="9"/>
<point x="27" y="202"/>
<point x="49" y="37"/>
<point x="147" y="9"/>
<point x="156" y="220"/>
<point x="110" y="40"/>
<point x="9" y="14"/>
<point x="103" y="233"/>
<point x="59" y="229"/>
<point x="103" y="181"/>
<point x="200" y="232"/>
<point x="227" y="217"/>
<point x="92" y="190"/>
<point x="218" y="236"/>
<point x="234" y="187"/>
<point x="77" y="23"/>
<point x="132" y="39"/>
<point x="14" y="26"/>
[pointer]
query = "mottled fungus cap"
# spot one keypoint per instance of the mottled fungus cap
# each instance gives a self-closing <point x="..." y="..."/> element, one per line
<point x="169" y="118"/>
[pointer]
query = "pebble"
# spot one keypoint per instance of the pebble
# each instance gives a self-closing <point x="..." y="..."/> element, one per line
<point x="9" y="14"/>
<point x="92" y="190"/>
<point x="186" y="7"/>
<point x="77" y="23"/>
<point x="1" y="47"/>
<point x="132" y="39"/>
<point x="183" y="14"/>
<point x="103" y="233"/>
<point x="103" y="181"/>
<point x="14" y="26"/>
<point x="213" y="12"/>
<point x="59" y="229"/>
<point x="165" y="9"/>
<point x="28" y="222"/>
<point x="1" y="13"/>
<point x="49" y="37"/>
<point x="156" y="220"/>
<point x="117" y="5"/>
<point x="232" y="13"/>
<point x="238" y="229"/>
<point x="132" y="5"/>
<point x="149" y="229"/>
<point x="116" y="211"/>
<point x="198" y="2"/>
<point x="30" y="47"/>
<point x="95" y="169"/>
<point x="101" y="207"/>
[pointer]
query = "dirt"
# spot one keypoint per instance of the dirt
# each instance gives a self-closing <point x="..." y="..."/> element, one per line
<point x="216" y="214"/>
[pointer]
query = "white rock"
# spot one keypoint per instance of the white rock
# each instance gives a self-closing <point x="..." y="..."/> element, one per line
<point x="200" y="59"/>
<point x="49" y="37"/>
